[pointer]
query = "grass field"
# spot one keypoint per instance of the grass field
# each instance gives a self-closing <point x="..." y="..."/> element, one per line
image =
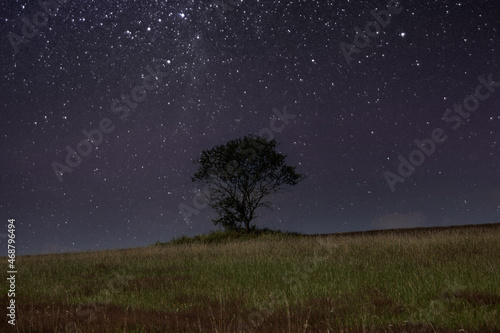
<point x="421" y="280"/>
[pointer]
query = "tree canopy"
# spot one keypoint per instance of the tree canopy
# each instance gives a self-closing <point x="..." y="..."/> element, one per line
<point x="240" y="176"/>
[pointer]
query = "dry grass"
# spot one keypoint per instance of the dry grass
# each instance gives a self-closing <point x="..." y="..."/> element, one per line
<point x="436" y="280"/>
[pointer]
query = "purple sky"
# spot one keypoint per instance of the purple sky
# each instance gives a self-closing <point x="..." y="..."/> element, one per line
<point x="166" y="80"/>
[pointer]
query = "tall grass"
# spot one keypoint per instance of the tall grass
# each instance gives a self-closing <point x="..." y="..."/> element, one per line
<point x="441" y="280"/>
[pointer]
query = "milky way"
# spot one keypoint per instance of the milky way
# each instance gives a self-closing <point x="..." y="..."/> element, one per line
<point x="390" y="108"/>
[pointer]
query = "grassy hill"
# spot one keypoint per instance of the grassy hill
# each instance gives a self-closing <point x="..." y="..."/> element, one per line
<point x="418" y="280"/>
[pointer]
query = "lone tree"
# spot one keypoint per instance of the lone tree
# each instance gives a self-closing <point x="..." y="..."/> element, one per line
<point x="240" y="175"/>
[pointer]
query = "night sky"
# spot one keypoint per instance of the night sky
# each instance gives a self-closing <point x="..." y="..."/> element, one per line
<point x="163" y="80"/>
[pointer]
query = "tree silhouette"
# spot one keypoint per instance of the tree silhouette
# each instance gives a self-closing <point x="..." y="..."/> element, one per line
<point x="240" y="175"/>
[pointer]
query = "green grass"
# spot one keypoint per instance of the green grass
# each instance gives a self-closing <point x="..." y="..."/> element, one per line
<point x="220" y="237"/>
<point x="415" y="281"/>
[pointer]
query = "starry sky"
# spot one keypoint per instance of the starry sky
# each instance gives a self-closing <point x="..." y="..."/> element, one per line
<point x="343" y="87"/>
